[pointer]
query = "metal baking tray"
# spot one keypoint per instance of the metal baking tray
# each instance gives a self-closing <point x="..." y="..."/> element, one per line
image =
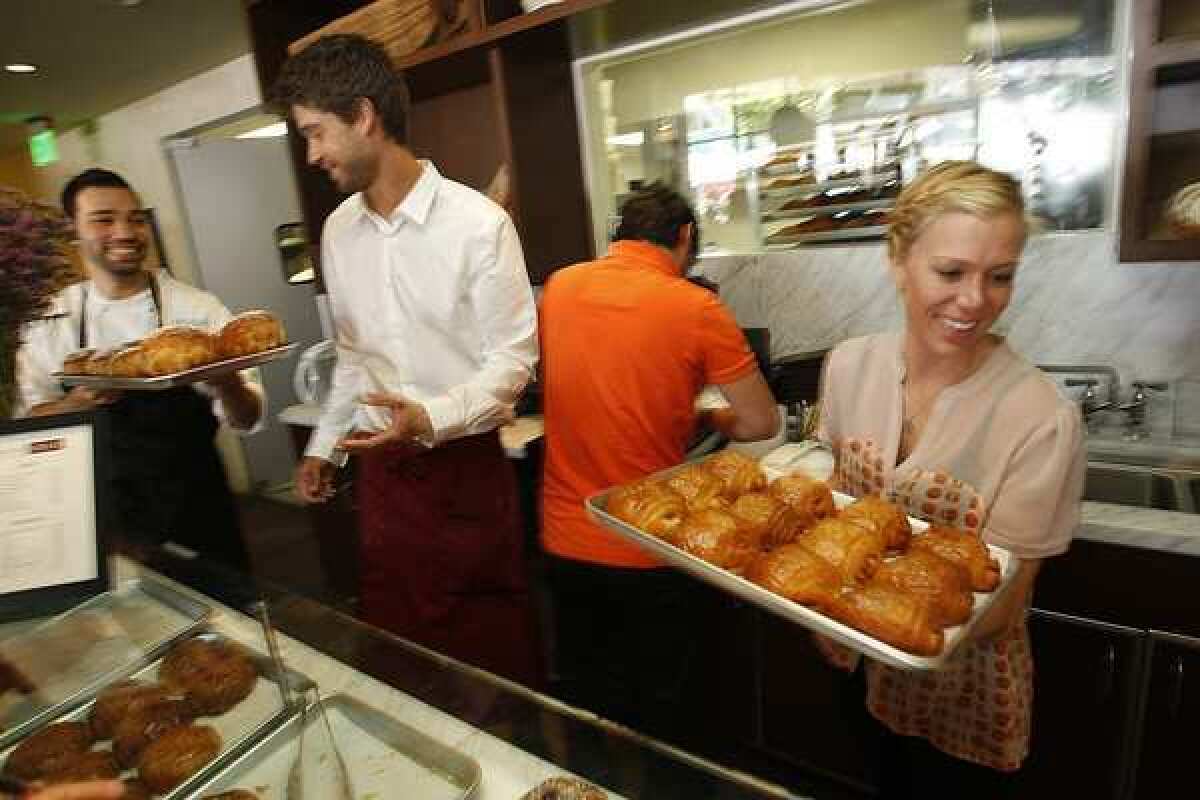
<point x="844" y="234"/>
<point x="780" y="215"/>
<point x="384" y="756"/>
<point x="177" y="379"/>
<point x="794" y="612"/>
<point x="102" y="640"/>
<point x="243" y="726"/>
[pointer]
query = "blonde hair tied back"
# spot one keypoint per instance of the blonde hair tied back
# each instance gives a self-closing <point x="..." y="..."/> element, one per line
<point x="952" y="186"/>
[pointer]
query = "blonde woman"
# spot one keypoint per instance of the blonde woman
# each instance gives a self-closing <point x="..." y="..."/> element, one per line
<point x="947" y="420"/>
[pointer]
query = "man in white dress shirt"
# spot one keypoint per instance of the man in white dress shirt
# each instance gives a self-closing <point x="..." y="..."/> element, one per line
<point x="168" y="480"/>
<point x="436" y="339"/>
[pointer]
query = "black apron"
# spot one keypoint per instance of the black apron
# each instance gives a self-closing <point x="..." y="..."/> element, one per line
<point x="167" y="478"/>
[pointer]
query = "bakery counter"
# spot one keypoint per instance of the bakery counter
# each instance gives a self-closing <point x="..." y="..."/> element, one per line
<point x="518" y="736"/>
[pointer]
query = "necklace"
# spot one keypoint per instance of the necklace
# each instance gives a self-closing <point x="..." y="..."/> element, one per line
<point x="908" y="425"/>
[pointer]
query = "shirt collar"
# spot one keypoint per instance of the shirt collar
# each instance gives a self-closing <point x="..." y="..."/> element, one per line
<point x="645" y="255"/>
<point x="415" y="206"/>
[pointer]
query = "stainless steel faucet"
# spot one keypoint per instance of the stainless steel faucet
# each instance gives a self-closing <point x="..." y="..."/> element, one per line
<point x="1114" y="382"/>
<point x="1089" y="404"/>
<point x="1135" y="409"/>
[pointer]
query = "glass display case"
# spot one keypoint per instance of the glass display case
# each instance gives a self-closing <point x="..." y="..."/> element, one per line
<point x="797" y="125"/>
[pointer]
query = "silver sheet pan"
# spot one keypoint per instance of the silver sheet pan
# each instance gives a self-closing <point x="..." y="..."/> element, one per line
<point x="806" y="617"/>
<point x="385" y="758"/>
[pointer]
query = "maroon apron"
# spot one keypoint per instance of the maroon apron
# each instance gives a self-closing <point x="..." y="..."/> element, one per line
<point x="442" y="554"/>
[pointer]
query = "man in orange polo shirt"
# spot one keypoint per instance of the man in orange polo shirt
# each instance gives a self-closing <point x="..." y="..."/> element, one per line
<point x="627" y="344"/>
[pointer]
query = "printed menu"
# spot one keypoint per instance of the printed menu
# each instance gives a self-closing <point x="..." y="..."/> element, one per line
<point x="47" y="508"/>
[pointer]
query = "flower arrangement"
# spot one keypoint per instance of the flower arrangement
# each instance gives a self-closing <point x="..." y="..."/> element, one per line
<point x="35" y="262"/>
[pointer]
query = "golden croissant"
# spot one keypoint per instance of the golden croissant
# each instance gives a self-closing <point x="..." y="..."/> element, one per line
<point x="798" y="574"/>
<point x="888" y="614"/>
<point x="717" y="537"/>
<point x="856" y="551"/>
<point x="965" y="548"/>
<point x="648" y="506"/>
<point x="810" y="497"/>
<point x="739" y="473"/>
<point x="887" y="518"/>
<point x="772" y="522"/>
<point x="946" y="586"/>
<point x="699" y="488"/>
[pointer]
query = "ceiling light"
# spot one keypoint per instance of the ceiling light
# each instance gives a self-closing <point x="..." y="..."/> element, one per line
<point x="20" y="68"/>
<point x="266" y="131"/>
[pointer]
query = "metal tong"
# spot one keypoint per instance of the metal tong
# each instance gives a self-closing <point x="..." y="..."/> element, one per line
<point x="299" y="695"/>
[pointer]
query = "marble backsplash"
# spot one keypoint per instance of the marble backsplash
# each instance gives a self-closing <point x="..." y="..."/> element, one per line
<point x="1074" y="304"/>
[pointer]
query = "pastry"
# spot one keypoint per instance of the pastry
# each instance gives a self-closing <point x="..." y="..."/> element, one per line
<point x="177" y="755"/>
<point x="250" y="332"/>
<point x="699" y="487"/>
<point x="47" y="750"/>
<point x="738" y="472"/>
<point x="963" y="548"/>
<point x="798" y="574"/>
<point x="119" y="701"/>
<point x="233" y="794"/>
<point x="807" y="178"/>
<point x="100" y="363"/>
<point x="1182" y="212"/>
<point x="149" y="720"/>
<point x="889" y="519"/>
<point x="772" y="522"/>
<point x="128" y="362"/>
<point x="812" y="498"/>
<point x="856" y="551"/>
<point x="176" y="349"/>
<point x="215" y="674"/>
<point x="92" y="765"/>
<point x="799" y="203"/>
<point x="717" y="537"/>
<point x="814" y="225"/>
<point x="563" y="788"/>
<point x="890" y="615"/>
<point x="946" y="586"/>
<point x="77" y="363"/>
<point x="648" y="506"/>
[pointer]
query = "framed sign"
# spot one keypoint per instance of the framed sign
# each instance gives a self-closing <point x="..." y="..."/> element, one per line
<point x="54" y="508"/>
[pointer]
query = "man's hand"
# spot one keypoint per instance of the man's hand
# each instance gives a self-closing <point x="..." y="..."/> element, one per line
<point x="243" y="405"/>
<point x="410" y="425"/>
<point x="314" y="480"/>
<point x="80" y="398"/>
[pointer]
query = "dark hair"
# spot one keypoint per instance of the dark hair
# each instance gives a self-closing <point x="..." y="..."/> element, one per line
<point x="90" y="179"/>
<point x="333" y="73"/>
<point x="657" y="214"/>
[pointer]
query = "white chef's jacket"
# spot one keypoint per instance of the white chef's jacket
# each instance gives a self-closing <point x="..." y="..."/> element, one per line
<point x="112" y="323"/>
<point x="434" y="304"/>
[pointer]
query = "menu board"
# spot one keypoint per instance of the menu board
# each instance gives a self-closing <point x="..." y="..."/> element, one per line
<point x="49" y="509"/>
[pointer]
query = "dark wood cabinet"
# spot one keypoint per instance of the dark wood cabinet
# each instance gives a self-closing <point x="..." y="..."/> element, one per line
<point x="1087" y="679"/>
<point x="1163" y="137"/>
<point x="1172" y="710"/>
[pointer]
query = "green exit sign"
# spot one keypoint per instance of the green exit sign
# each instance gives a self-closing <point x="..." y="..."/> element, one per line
<point x="43" y="148"/>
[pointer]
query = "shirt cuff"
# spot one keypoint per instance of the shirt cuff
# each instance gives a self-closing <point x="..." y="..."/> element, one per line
<point x="323" y="444"/>
<point x="445" y="417"/>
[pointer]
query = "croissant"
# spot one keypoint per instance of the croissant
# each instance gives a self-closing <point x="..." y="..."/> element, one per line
<point x="964" y="548"/>
<point x="127" y="362"/>
<point x="804" y="494"/>
<point x="717" y="537"/>
<point x="946" y="586"/>
<point x="856" y="551"/>
<point x="177" y="348"/>
<point x="250" y="332"/>
<point x="887" y="518"/>
<point x="739" y="473"/>
<point x="76" y="363"/>
<point x="888" y="614"/>
<point x="798" y="574"/>
<point x="772" y="522"/>
<point x="699" y="488"/>
<point x="648" y="506"/>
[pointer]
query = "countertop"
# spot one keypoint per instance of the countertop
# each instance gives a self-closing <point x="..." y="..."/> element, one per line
<point x="1148" y="528"/>
<point x="515" y="437"/>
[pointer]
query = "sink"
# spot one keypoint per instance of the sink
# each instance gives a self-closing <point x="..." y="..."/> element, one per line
<point x="1181" y="454"/>
<point x="1146" y="487"/>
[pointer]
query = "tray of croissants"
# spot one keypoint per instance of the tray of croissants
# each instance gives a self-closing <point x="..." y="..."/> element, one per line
<point x="178" y="355"/>
<point x="859" y="571"/>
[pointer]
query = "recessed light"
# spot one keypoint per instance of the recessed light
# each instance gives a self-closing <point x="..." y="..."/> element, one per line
<point x="274" y="129"/>
<point x="20" y="68"/>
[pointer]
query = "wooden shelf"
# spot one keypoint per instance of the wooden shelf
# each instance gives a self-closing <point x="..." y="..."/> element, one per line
<point x="492" y="33"/>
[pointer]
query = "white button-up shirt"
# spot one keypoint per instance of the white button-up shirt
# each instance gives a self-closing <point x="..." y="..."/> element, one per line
<point x="434" y="304"/>
<point x="111" y="323"/>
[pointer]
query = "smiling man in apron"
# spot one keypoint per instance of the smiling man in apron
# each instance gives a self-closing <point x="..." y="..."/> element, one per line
<point x="169" y="483"/>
